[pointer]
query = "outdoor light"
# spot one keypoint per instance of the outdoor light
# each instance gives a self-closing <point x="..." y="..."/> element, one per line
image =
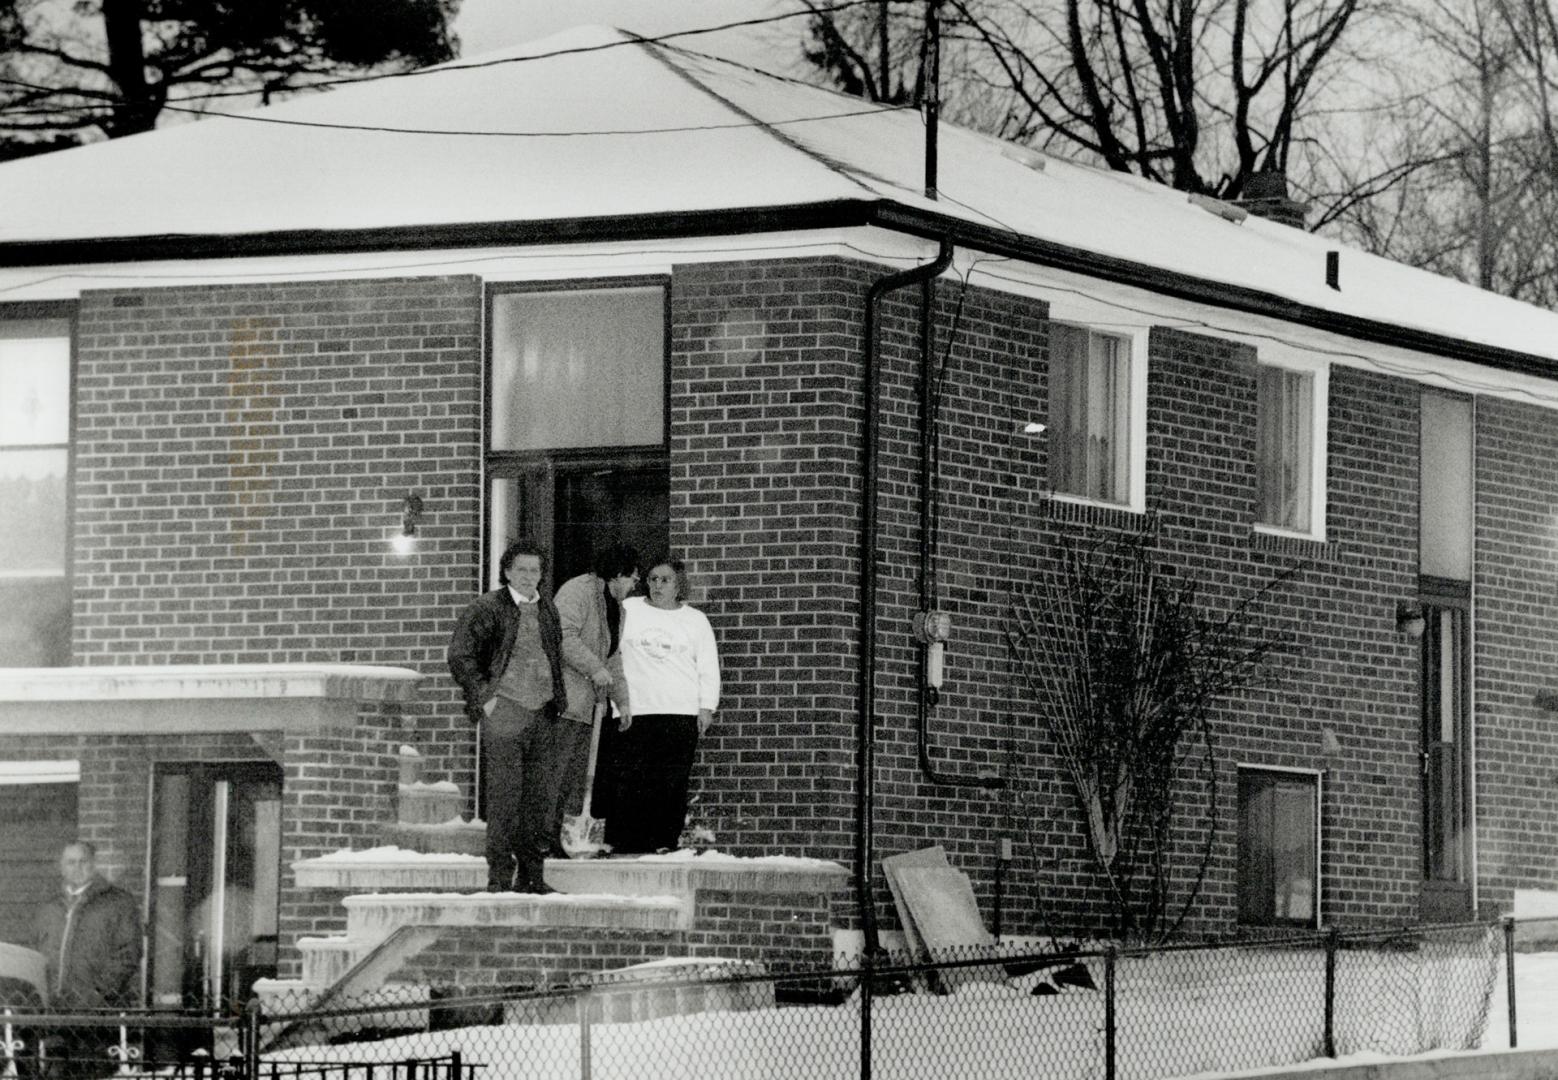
<point x="1410" y="620"/>
<point x="1033" y="427"/>
<point x="410" y="517"/>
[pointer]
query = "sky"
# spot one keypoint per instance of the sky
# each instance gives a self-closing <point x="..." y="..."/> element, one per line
<point x="487" y="25"/>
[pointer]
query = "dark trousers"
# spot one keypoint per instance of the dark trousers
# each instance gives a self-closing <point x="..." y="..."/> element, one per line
<point x="652" y="762"/>
<point x="516" y="748"/>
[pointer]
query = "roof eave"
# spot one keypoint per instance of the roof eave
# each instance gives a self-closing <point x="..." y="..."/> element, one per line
<point x="1219" y="294"/>
<point x="798" y="217"/>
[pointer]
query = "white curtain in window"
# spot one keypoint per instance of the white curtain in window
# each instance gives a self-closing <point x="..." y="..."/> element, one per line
<point x="1284" y="433"/>
<point x="1088" y="407"/>
<point x="578" y="368"/>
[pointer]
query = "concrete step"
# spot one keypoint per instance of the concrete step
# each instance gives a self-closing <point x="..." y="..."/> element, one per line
<point x="372" y="917"/>
<point x="677" y="874"/>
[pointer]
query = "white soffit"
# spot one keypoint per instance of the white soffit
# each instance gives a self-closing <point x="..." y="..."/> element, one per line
<point x="1123" y="308"/>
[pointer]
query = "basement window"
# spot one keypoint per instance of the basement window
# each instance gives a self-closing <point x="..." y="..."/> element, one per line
<point x="1279" y="847"/>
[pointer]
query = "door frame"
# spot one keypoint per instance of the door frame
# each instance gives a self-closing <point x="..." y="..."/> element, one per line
<point x="1440" y="895"/>
<point x="210" y="773"/>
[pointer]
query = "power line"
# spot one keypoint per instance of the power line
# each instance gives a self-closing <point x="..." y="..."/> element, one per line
<point x="456" y="66"/>
<point x="258" y="119"/>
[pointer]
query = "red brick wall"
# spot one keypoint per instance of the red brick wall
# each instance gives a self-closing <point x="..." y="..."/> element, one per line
<point x="764" y="485"/>
<point x="747" y="466"/>
<point x="241" y="456"/>
<point x="1517" y="647"/>
<point x="242" y="451"/>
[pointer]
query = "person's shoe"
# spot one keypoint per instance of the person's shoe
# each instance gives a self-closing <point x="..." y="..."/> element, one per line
<point x="538" y="888"/>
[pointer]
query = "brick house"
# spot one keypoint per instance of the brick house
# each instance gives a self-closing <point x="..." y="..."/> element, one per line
<point x="239" y="359"/>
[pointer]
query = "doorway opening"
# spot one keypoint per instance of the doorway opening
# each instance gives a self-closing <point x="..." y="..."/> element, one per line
<point x="215" y="888"/>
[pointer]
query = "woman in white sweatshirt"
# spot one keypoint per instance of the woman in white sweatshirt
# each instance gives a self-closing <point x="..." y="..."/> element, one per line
<point x="671" y="666"/>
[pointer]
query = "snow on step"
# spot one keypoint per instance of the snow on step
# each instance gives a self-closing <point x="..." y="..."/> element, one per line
<point x="372" y="917"/>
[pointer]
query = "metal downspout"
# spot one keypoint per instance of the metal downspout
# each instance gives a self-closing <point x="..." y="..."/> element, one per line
<point x="865" y="720"/>
<point x="926" y="694"/>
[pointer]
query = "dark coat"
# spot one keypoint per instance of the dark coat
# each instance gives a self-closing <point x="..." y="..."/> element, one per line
<point x="483" y="641"/>
<point x="93" y="950"/>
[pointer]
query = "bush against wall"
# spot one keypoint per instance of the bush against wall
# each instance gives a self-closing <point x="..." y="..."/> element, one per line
<point x="1125" y="661"/>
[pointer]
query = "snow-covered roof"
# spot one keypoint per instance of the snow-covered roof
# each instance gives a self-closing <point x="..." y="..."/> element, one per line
<point x="594" y="125"/>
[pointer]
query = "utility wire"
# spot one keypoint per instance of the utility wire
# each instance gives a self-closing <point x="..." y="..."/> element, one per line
<point x="456" y="66"/>
<point x="259" y="119"/>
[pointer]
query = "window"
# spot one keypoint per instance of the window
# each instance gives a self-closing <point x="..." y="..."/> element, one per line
<point x="576" y="451"/>
<point x="38" y="805"/>
<point x="34" y="465"/>
<point x="578" y="369"/>
<point x="1089" y="407"/>
<point x="1446" y="467"/>
<point x="1279" y="864"/>
<point x="1284" y="432"/>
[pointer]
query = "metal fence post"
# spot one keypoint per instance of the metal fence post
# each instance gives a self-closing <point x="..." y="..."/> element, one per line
<point x="252" y="1012"/>
<point x="1109" y="1013"/>
<point x="13" y="1046"/>
<point x="1331" y="939"/>
<point x="866" y="979"/>
<point x="583" y="1004"/>
<point x="1509" y="974"/>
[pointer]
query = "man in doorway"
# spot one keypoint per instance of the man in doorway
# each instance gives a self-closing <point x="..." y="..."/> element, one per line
<point x="590" y="607"/>
<point x="90" y="937"/>
<point x="506" y="654"/>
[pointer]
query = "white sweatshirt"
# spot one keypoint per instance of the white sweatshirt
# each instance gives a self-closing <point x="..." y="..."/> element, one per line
<point x="669" y="659"/>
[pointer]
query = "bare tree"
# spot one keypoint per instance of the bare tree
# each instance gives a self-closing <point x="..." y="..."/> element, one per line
<point x="110" y="67"/>
<point x="1197" y="94"/>
<point x="1126" y="664"/>
<point x="1474" y="114"/>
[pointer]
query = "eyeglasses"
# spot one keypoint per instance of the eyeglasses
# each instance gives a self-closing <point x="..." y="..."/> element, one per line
<point x="661" y="579"/>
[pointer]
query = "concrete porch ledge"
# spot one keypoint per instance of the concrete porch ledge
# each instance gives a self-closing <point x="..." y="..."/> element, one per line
<point x="682" y="875"/>
<point x="646" y="875"/>
<point x="189" y="698"/>
<point x="373" y="917"/>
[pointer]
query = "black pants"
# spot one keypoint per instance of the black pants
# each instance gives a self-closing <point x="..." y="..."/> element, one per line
<point x="652" y="761"/>
<point x="520" y="794"/>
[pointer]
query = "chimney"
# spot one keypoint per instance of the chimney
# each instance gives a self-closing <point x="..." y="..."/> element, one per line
<point x="1266" y="195"/>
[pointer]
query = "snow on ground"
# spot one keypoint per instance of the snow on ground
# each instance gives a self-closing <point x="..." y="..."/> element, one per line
<point x="1179" y="1015"/>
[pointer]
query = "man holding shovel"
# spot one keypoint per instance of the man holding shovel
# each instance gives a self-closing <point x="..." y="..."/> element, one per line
<point x="589" y="607"/>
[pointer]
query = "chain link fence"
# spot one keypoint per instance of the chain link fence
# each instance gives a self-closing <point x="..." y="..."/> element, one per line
<point x="1121" y="1014"/>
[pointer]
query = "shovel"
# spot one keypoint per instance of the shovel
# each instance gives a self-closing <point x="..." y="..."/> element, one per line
<point x="584" y="837"/>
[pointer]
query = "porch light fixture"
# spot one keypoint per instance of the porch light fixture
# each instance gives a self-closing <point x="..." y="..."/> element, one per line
<point x="1411" y="622"/>
<point x="1033" y="427"/>
<point x="405" y="541"/>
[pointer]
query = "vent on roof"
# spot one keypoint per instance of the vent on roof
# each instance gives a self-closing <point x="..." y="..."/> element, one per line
<point x="1024" y="155"/>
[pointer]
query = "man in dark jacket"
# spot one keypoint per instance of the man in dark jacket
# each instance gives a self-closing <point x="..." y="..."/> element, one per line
<point x="90" y="936"/>
<point x="506" y="654"/>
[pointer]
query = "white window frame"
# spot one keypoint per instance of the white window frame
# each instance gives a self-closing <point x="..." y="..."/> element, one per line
<point x="1319" y="372"/>
<point x="1318" y="775"/>
<point x="1096" y="318"/>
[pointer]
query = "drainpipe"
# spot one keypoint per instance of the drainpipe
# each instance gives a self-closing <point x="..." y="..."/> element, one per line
<point x="866" y="718"/>
<point x="930" y="641"/>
